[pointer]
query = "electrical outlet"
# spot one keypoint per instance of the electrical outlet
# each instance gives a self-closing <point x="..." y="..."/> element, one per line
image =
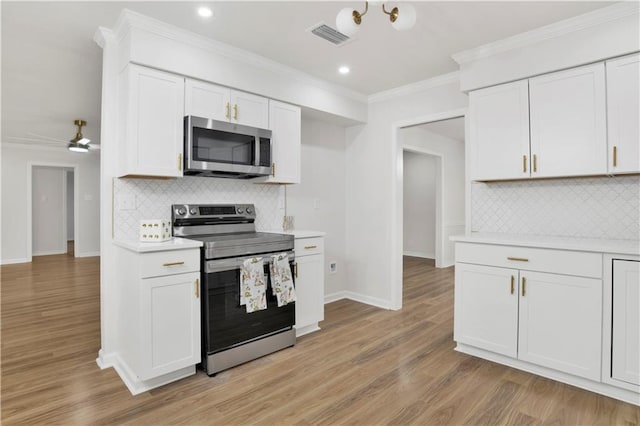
<point x="333" y="267"/>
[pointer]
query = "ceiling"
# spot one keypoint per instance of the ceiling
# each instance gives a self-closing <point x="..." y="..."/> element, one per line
<point x="51" y="68"/>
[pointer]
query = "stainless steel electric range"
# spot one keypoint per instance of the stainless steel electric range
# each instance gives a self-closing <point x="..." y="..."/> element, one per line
<point x="230" y="335"/>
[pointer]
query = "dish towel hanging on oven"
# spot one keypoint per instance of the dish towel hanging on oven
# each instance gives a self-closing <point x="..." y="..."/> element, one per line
<point x="252" y="285"/>
<point x="281" y="281"/>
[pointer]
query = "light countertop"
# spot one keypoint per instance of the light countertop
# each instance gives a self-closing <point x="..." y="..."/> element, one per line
<point x="628" y="247"/>
<point x="173" y="244"/>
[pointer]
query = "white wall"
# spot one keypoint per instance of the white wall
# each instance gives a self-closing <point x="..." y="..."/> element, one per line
<point x="48" y="210"/>
<point x="371" y="180"/>
<point x="453" y="195"/>
<point x="323" y="176"/>
<point x="15" y="165"/>
<point x="419" y="205"/>
<point x="70" y="200"/>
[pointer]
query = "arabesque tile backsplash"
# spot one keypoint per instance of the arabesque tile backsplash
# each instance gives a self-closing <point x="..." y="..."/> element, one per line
<point x="602" y="207"/>
<point x="153" y="199"/>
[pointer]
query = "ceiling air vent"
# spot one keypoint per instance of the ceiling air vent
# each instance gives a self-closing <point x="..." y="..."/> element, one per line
<point x="331" y="35"/>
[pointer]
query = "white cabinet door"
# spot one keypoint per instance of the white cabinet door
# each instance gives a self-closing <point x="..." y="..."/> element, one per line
<point x="285" y="123"/>
<point x="499" y="132"/>
<point x="625" y="351"/>
<point x="568" y="122"/>
<point x="561" y="322"/>
<point x="169" y="324"/>
<point x="249" y="110"/>
<point x="623" y="110"/>
<point x="207" y="100"/>
<point x="486" y="308"/>
<point x="309" y="290"/>
<point x="153" y="143"/>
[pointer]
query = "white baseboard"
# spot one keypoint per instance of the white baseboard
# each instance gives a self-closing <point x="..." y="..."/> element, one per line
<point x="422" y="254"/>
<point x="357" y="297"/>
<point x="49" y="252"/>
<point x="11" y="261"/>
<point x="88" y="254"/>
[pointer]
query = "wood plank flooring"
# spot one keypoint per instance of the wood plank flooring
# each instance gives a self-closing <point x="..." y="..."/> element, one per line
<point x="367" y="366"/>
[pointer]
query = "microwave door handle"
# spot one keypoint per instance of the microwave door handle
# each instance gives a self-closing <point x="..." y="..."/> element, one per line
<point x="257" y="150"/>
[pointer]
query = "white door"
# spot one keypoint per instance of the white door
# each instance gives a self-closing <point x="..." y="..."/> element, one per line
<point x="285" y="124"/>
<point x="626" y="321"/>
<point x="623" y="110"/>
<point x="568" y="122"/>
<point x="560" y="323"/>
<point x="249" y="110"/>
<point x="309" y="290"/>
<point x="156" y="120"/>
<point x="170" y="324"/>
<point x="499" y="132"/>
<point x="207" y="100"/>
<point x="486" y="308"/>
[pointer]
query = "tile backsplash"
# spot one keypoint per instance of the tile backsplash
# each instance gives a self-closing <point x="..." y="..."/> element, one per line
<point x="152" y="199"/>
<point x="602" y="207"/>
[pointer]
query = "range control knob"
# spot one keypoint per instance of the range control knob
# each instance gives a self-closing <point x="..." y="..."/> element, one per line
<point x="249" y="210"/>
<point x="181" y="211"/>
<point x="240" y="210"/>
<point x="193" y="210"/>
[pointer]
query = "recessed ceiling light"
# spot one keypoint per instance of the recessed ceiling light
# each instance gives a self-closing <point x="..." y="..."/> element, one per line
<point x="343" y="69"/>
<point x="205" y="12"/>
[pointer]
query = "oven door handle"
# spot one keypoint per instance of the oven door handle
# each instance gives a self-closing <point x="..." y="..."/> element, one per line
<point x="221" y="265"/>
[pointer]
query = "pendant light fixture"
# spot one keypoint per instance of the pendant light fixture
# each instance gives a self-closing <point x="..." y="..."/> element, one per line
<point x="79" y="143"/>
<point x="402" y="18"/>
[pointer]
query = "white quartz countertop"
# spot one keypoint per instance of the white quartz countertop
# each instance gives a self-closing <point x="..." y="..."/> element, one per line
<point x="628" y="247"/>
<point x="301" y="233"/>
<point x="173" y="244"/>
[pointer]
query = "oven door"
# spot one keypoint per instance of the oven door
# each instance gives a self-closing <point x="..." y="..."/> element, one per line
<point x="226" y="324"/>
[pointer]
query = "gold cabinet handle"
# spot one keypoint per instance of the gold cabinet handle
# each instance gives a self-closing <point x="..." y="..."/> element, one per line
<point x="273" y="169"/>
<point x="228" y="114"/>
<point x="535" y="163"/>
<point x="235" y="111"/>
<point x="518" y="259"/>
<point x="615" y="156"/>
<point x="524" y="164"/>
<point x="310" y="247"/>
<point x="197" y="285"/>
<point x="295" y="269"/>
<point x="168" y="264"/>
<point x="524" y="286"/>
<point x="179" y="162"/>
<point x="513" y="279"/>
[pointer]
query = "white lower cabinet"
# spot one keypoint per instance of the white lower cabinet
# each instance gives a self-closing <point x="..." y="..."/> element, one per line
<point x="625" y="345"/>
<point x="309" y="282"/>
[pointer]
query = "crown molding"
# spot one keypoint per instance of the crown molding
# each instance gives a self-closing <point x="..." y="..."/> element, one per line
<point x="419" y="86"/>
<point x="129" y="20"/>
<point x="557" y="29"/>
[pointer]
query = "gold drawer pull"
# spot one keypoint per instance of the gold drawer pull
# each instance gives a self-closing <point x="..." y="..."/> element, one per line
<point x="524" y="164"/>
<point x="524" y="286"/>
<point x="535" y="163"/>
<point x="512" y="283"/>
<point x="235" y="112"/>
<point x="197" y="285"/>
<point x="179" y="162"/>
<point x="295" y="269"/>
<point x="173" y="264"/>
<point x="228" y="114"/>
<point x="615" y="156"/>
<point x="310" y="247"/>
<point x="518" y="259"/>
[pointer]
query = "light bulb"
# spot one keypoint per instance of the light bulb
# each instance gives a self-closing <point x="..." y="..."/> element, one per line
<point x="406" y="17"/>
<point x="205" y="12"/>
<point x="345" y="23"/>
<point x="343" y="69"/>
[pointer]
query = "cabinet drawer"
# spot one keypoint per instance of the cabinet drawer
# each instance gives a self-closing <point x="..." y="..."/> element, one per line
<point x="531" y="259"/>
<point x="171" y="262"/>
<point x="307" y="246"/>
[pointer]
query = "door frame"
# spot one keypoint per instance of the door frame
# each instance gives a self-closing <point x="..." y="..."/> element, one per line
<point x="396" y="224"/>
<point x="76" y="204"/>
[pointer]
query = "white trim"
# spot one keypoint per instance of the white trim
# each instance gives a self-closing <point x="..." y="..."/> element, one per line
<point x="419" y="86"/>
<point x="12" y="261"/>
<point x="131" y="19"/>
<point x="557" y="29"/>
<point x="357" y="297"/>
<point x="395" y="251"/>
<point x="334" y="297"/>
<point x="87" y="254"/>
<point x="307" y="329"/>
<point x="48" y="253"/>
<point x="421" y="254"/>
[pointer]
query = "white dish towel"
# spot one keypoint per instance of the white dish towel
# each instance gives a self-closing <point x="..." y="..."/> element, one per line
<point x="281" y="281"/>
<point x="252" y="285"/>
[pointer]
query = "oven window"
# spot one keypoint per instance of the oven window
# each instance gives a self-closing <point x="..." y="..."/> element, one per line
<point x="223" y="147"/>
<point x="228" y="324"/>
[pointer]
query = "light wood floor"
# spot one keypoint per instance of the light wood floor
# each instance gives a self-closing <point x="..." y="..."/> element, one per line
<point x="367" y="366"/>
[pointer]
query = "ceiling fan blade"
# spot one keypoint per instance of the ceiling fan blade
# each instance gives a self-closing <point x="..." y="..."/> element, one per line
<point x="94" y="147"/>
<point x="47" y="137"/>
<point x="34" y="140"/>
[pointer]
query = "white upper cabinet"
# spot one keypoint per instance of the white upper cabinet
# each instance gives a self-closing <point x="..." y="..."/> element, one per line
<point x="221" y="103"/>
<point x="151" y="127"/>
<point x="285" y="124"/>
<point x="623" y="110"/>
<point x="568" y="122"/>
<point x="499" y="132"/>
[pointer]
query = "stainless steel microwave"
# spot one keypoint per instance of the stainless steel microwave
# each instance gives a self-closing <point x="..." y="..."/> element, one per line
<point x="222" y="149"/>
